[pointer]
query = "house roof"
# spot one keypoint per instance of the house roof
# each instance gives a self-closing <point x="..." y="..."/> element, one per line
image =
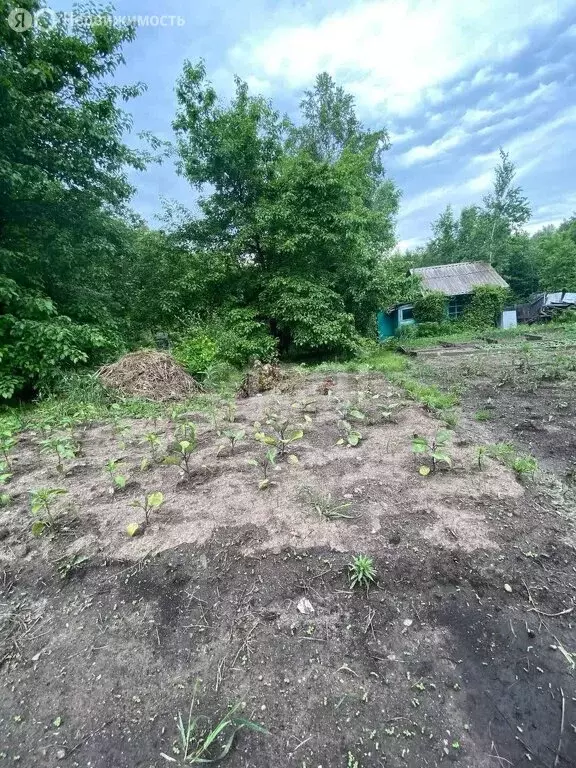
<point x="459" y="279"/>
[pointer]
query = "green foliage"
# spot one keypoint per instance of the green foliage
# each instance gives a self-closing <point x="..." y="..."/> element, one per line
<point x="352" y="436"/>
<point x="361" y="571"/>
<point x="183" y="449"/>
<point x="309" y="318"/>
<point x="62" y="184"/>
<point x="201" y="741"/>
<point x="326" y="506"/>
<point x="113" y="466"/>
<point x="61" y="447"/>
<point x="278" y="432"/>
<point x="266" y="464"/>
<point x="150" y="503"/>
<point x="485" y="306"/>
<point x="7" y="443"/>
<point x="434" y="448"/>
<point x="42" y="504"/>
<point x="430" y="307"/>
<point x="507" y="453"/>
<point x="233" y="436"/>
<point x="234" y="337"/>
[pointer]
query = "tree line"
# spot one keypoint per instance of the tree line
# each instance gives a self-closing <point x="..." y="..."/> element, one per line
<point x="292" y="249"/>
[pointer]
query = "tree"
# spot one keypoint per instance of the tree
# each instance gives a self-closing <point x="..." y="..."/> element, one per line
<point x="62" y="181"/>
<point x="308" y="204"/>
<point x="507" y="209"/>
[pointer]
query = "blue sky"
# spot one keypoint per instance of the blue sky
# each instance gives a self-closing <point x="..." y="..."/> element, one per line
<point x="452" y="80"/>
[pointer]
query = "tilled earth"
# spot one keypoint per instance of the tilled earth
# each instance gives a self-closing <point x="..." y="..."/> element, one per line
<point x="462" y="652"/>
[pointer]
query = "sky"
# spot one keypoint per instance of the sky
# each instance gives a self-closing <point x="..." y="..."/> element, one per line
<point x="451" y="80"/>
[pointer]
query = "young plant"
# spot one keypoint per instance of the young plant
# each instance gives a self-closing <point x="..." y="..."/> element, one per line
<point x="234" y="436"/>
<point x="152" y="440"/>
<point x="525" y="465"/>
<point x="5" y="499"/>
<point x="69" y="563"/>
<point x="352" y="436"/>
<point x="361" y="572"/>
<point x="4" y="475"/>
<point x="153" y="501"/>
<point x="326" y="506"/>
<point x="7" y="442"/>
<point x="200" y="742"/>
<point x="41" y="505"/>
<point x="481" y="453"/>
<point x="182" y="452"/>
<point x="434" y="449"/>
<point x="280" y="434"/>
<point x="60" y="447"/>
<point x="266" y="464"/>
<point x="113" y="466"/>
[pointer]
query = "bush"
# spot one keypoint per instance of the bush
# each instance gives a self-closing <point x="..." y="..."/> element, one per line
<point x="36" y="343"/>
<point x="235" y="338"/>
<point x="444" y="328"/>
<point x="485" y="307"/>
<point x="430" y="307"/>
<point x="308" y="318"/>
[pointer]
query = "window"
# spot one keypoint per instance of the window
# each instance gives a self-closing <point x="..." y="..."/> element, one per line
<point x="456" y="306"/>
<point x="407" y="314"/>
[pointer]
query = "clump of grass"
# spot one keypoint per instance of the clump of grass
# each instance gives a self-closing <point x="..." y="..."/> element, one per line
<point x="427" y="394"/>
<point x="201" y="741"/>
<point x="523" y="464"/>
<point x="361" y="571"/>
<point x="326" y="506"/>
<point x="484" y="414"/>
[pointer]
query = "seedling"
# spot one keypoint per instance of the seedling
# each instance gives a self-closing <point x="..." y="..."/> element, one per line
<point x="481" y="453"/>
<point x="113" y="466"/>
<point x="7" y="442"/>
<point x="361" y="571"/>
<point x="435" y="449"/>
<point x="233" y="436"/>
<point x="41" y="505"/>
<point x="60" y="447"/>
<point x="199" y="742"/>
<point x="266" y="465"/>
<point x="280" y="434"/>
<point x="326" y="506"/>
<point x="152" y="439"/>
<point x="525" y="465"/>
<point x="186" y="431"/>
<point x="183" y="450"/>
<point x="4" y="475"/>
<point x="230" y="410"/>
<point x="352" y="436"/>
<point x="151" y="502"/>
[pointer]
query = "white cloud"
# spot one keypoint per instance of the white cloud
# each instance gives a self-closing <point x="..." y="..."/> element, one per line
<point x="395" y="53"/>
<point x="423" y="152"/>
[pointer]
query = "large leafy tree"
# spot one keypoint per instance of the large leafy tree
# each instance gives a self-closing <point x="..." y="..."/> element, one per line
<point x="62" y="185"/>
<point x="306" y="203"/>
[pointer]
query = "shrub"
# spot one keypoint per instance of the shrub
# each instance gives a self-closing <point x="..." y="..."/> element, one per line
<point x="36" y="342"/>
<point x="485" y="307"/>
<point x="308" y="318"/>
<point x="234" y="338"/>
<point x="427" y="329"/>
<point x="430" y="307"/>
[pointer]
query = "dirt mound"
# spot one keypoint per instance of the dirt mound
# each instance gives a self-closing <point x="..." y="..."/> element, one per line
<point x="149" y="374"/>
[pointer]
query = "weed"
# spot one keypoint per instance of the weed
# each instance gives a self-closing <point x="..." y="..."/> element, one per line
<point x="352" y="762"/>
<point x="41" y="505"/>
<point x="69" y="563"/>
<point x="151" y="502"/>
<point x="427" y="394"/>
<point x="5" y="499"/>
<point x="435" y="449"/>
<point x="7" y="442"/>
<point x="280" y="433"/>
<point x="361" y="571"/>
<point x="233" y="436"/>
<point x="481" y="453"/>
<point x="118" y="481"/>
<point x="352" y="436"/>
<point x="266" y="464"/>
<point x="483" y="415"/>
<point x="4" y="476"/>
<point x="201" y="742"/>
<point x="522" y="464"/>
<point x="326" y="506"/>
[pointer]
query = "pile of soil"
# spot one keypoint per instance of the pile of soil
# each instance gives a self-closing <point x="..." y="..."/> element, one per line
<point x="149" y="374"/>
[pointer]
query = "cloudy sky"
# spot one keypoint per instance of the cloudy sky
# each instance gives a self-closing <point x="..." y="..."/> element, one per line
<point x="452" y="80"/>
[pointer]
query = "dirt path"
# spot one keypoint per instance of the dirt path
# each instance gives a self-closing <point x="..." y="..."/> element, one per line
<point x="460" y="654"/>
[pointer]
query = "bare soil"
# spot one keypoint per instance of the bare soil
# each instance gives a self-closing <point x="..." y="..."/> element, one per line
<point x="460" y="653"/>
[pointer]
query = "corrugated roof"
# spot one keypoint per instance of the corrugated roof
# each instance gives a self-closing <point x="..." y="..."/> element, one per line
<point x="459" y="279"/>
